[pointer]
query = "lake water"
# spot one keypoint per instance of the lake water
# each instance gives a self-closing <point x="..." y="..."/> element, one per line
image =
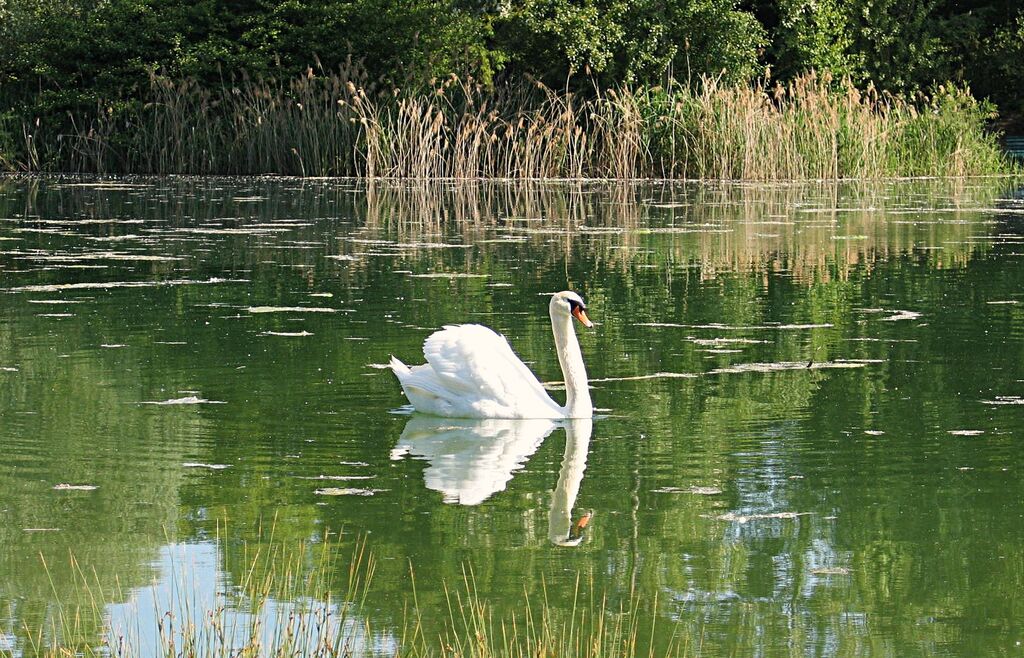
<point x="811" y="406"/>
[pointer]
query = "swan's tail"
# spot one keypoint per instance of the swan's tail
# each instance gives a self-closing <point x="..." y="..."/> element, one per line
<point x="398" y="367"/>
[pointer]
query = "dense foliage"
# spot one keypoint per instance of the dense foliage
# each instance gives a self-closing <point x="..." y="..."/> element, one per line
<point x="62" y="60"/>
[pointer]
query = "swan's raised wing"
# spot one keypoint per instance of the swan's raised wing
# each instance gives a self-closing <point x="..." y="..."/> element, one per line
<point x="478" y="367"/>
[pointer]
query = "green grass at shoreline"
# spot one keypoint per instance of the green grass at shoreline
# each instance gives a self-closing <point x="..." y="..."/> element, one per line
<point x="339" y="125"/>
<point x="304" y="600"/>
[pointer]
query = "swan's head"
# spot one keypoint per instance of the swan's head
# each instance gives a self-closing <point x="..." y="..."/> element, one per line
<point x="569" y="303"/>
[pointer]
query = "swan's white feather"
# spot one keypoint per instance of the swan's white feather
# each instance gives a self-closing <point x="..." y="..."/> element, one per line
<point x="472" y="372"/>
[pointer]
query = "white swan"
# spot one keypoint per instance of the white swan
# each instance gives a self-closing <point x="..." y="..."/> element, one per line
<point x="471" y="372"/>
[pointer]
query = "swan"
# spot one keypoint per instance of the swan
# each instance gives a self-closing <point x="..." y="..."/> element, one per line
<point x="471" y="372"/>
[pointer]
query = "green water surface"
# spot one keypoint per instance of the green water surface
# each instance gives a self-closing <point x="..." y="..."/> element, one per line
<point x="811" y="402"/>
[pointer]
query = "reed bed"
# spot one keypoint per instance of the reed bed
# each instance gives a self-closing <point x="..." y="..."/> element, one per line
<point x="341" y="125"/>
<point x="299" y="601"/>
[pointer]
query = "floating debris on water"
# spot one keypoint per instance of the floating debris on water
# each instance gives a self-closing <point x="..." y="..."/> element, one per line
<point x="8" y="369"/>
<point x="792" y="365"/>
<point x="212" y="467"/>
<point x="601" y="230"/>
<point x="290" y="309"/>
<point x="698" y="491"/>
<point x="874" y="432"/>
<point x="74" y="487"/>
<point x="966" y="432"/>
<point x="287" y="334"/>
<point x="745" y="518"/>
<point x="232" y="231"/>
<point x="122" y="284"/>
<point x="1005" y="400"/>
<point x="657" y="375"/>
<point x="881" y="340"/>
<point x="448" y="275"/>
<point x="107" y="186"/>
<point x="86" y="222"/>
<point x="901" y="315"/>
<point x="430" y="245"/>
<point x="113" y="238"/>
<point x="830" y="571"/>
<point x="99" y="255"/>
<point x="798" y="326"/>
<point x="656" y="231"/>
<point x="113" y="345"/>
<point x="321" y="294"/>
<point x="716" y="325"/>
<point x="705" y="491"/>
<point x="1004" y="301"/>
<point x="725" y="341"/>
<point x="190" y="399"/>
<point x="347" y="491"/>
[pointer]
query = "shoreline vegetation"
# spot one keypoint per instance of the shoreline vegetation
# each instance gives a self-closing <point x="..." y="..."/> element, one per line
<point x="303" y="599"/>
<point x="315" y="125"/>
<point x="571" y="89"/>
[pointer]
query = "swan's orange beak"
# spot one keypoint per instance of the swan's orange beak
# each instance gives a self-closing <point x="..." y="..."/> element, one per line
<point x="581" y="315"/>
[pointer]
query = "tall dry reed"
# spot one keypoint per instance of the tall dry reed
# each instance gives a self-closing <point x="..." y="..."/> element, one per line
<point x="339" y="125"/>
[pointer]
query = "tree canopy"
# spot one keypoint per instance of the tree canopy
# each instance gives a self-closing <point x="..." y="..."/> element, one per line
<point x="61" y="53"/>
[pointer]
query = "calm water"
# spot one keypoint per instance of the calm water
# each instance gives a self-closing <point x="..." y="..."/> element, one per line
<point x="812" y="403"/>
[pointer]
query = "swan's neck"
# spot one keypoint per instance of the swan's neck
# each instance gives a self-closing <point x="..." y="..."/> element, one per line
<point x="577" y="390"/>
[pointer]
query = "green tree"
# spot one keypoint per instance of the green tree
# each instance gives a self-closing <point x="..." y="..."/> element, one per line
<point x="634" y="41"/>
<point x="902" y="46"/>
<point x="816" y="34"/>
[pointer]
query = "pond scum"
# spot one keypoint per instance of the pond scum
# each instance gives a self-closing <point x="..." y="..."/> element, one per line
<point x="299" y="601"/>
<point x="340" y="125"/>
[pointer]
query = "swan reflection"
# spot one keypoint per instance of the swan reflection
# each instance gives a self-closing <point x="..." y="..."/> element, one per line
<point x="470" y="460"/>
<point x="561" y="529"/>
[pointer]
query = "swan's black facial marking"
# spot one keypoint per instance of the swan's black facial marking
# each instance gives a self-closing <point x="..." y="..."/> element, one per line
<point x="578" y="310"/>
